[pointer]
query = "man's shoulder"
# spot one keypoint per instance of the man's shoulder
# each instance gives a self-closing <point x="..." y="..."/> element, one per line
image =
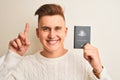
<point x="76" y="54"/>
<point x="31" y="57"/>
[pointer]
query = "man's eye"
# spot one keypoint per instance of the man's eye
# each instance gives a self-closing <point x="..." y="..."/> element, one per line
<point x="58" y="28"/>
<point x="45" y="29"/>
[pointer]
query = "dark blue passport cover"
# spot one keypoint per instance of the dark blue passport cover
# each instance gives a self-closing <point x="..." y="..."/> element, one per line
<point x="81" y="36"/>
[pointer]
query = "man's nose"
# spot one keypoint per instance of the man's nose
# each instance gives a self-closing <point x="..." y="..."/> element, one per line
<point x="52" y="34"/>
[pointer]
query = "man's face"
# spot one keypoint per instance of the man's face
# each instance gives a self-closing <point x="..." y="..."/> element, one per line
<point x="52" y="31"/>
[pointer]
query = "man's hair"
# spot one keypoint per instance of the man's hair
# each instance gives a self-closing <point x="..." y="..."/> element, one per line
<point x="49" y="9"/>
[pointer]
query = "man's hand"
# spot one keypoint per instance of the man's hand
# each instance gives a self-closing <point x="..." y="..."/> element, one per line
<point x="20" y="44"/>
<point x="91" y="54"/>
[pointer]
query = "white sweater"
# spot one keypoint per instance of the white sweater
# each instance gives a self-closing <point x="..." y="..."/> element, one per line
<point x="71" y="66"/>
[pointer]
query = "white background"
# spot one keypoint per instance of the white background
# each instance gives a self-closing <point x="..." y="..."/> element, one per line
<point x="102" y="15"/>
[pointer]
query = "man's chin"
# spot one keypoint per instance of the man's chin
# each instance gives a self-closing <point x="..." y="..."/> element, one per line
<point x="52" y="49"/>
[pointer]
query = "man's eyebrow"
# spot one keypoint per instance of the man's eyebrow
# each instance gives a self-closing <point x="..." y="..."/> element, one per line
<point x="49" y="27"/>
<point x="45" y="27"/>
<point x="58" y="26"/>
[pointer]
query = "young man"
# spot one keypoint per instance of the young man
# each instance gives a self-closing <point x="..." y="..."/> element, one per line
<point x="54" y="62"/>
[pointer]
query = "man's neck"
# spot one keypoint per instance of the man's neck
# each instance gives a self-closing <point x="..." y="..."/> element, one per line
<point x="53" y="54"/>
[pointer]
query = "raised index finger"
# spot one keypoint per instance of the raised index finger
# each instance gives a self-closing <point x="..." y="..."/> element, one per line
<point x="26" y="30"/>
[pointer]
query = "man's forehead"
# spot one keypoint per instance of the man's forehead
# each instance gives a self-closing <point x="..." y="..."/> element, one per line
<point x="51" y="19"/>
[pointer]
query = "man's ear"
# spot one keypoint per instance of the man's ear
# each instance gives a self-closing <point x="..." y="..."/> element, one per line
<point x="37" y="32"/>
<point x="66" y="31"/>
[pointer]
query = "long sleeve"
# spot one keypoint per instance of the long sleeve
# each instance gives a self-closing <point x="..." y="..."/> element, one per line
<point x="9" y="62"/>
<point x="2" y="59"/>
<point x="103" y="75"/>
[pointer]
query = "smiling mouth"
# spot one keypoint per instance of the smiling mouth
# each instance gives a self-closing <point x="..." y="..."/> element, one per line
<point x="52" y="42"/>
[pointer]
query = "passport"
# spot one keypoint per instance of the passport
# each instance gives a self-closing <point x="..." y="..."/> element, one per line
<point x="81" y="36"/>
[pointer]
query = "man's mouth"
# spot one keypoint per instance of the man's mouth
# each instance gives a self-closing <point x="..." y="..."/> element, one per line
<point x="52" y="42"/>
